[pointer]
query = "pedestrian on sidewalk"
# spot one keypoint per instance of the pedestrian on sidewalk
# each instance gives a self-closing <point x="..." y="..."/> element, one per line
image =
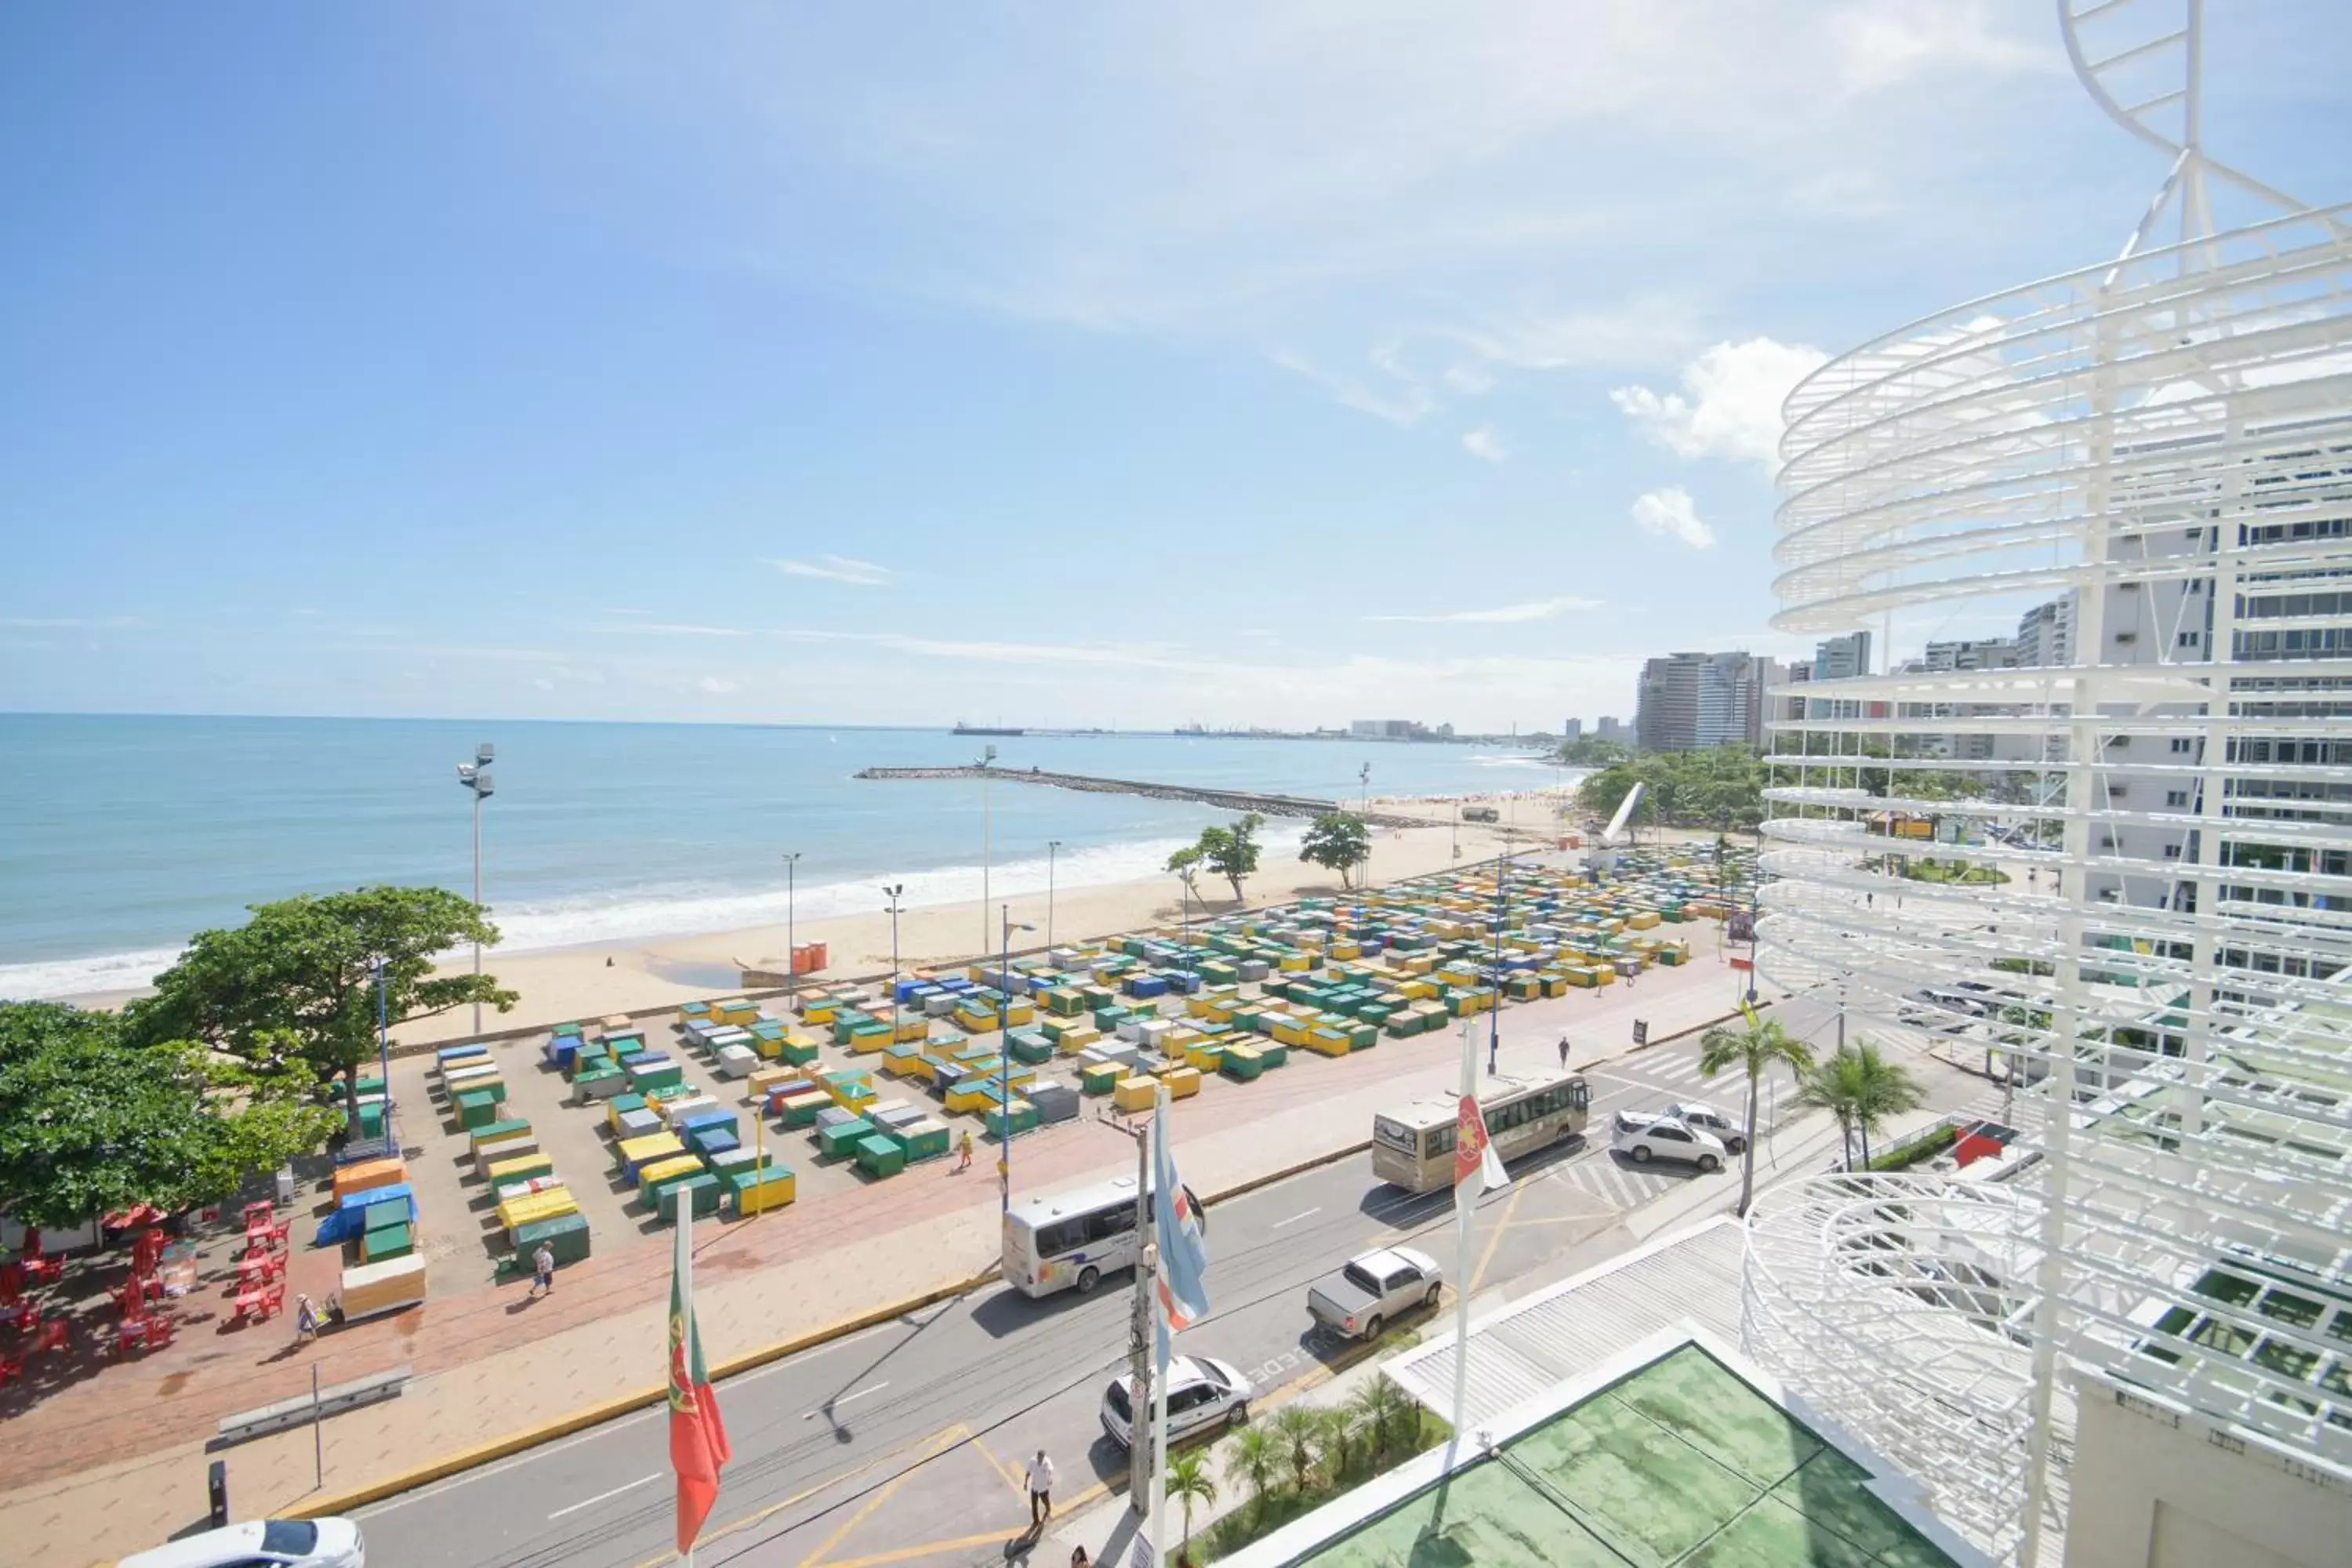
<point x="1041" y="1489"/>
<point x="306" y="1320"/>
<point x="1563" y="1050"/>
<point x="542" y="1271"/>
<point x="963" y="1148"/>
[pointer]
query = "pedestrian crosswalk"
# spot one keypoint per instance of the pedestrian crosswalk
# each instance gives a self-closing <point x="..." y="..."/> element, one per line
<point x="1618" y="1185"/>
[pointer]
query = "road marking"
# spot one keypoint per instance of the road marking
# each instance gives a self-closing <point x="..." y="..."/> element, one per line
<point x="600" y="1496"/>
<point x="833" y="1405"/>
<point x="1294" y="1219"/>
<point x="826" y="1485"/>
<point x="1519" y="1191"/>
<point x="1015" y="1480"/>
<point x="908" y="1553"/>
<point x="946" y="1439"/>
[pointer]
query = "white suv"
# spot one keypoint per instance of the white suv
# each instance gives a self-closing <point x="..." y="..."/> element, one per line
<point x="1203" y="1395"/>
<point x="1667" y="1139"/>
<point x="262" y="1543"/>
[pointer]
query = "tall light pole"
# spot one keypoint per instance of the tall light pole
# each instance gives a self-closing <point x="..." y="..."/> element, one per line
<point x="1494" y="1005"/>
<point x="475" y="776"/>
<point x="1004" y="1055"/>
<point x="1053" y="847"/>
<point x="1364" y="779"/>
<point x="791" y="952"/>
<point x="987" y="761"/>
<point x="892" y="892"/>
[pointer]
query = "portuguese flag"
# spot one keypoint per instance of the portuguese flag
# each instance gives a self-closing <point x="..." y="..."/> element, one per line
<point x="698" y="1438"/>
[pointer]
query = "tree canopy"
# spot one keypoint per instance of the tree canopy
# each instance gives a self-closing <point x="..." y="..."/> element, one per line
<point x="92" y="1120"/>
<point x="298" y="977"/>
<point x="1230" y="852"/>
<point x="1686" y="789"/>
<point x="1592" y="751"/>
<point x="1338" y="841"/>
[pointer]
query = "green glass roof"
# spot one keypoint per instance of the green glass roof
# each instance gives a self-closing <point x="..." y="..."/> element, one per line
<point x="1680" y="1464"/>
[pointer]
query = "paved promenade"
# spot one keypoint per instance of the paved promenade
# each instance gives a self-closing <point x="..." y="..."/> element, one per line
<point x="117" y="1462"/>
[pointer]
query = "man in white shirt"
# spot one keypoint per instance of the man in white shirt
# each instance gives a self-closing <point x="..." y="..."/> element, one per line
<point x="1041" y="1489"/>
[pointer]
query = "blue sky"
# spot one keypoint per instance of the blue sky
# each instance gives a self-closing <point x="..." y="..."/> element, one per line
<point x="1241" y="364"/>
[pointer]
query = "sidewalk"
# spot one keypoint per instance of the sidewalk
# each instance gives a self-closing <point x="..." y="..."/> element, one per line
<point x="117" y="1463"/>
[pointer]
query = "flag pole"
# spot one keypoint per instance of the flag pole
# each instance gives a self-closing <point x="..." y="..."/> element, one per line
<point x="684" y="1219"/>
<point x="1466" y="1200"/>
<point x="1163" y="1338"/>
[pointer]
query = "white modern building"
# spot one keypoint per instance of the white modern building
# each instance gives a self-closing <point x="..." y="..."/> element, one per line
<point x="2154" y="812"/>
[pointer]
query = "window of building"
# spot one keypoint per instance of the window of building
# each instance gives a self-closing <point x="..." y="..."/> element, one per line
<point x="2172" y="851"/>
<point x="2126" y="638"/>
<point x="2188" y="639"/>
<point x="2182" y="744"/>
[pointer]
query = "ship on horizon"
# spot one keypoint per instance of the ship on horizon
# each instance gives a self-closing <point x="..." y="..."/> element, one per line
<point x="964" y="729"/>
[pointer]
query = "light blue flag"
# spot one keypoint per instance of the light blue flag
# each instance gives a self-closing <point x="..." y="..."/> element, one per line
<point x="1183" y="1247"/>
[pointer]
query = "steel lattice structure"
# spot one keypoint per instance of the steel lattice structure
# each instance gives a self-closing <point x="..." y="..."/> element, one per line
<point x="1904" y="1305"/>
<point x="2137" y="888"/>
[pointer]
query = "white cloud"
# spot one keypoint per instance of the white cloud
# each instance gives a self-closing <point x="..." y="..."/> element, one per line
<point x="1485" y="444"/>
<point x="716" y="686"/>
<point x="1502" y="614"/>
<point x="1670" y="514"/>
<point x="1396" y="395"/>
<point x="1889" y="41"/>
<point x="1730" y="405"/>
<point x="837" y="569"/>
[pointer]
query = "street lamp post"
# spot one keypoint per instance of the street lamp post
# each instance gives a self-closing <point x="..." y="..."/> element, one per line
<point x="1495" y="1003"/>
<point x="987" y="761"/>
<point x="892" y="892"/>
<point x="1052" y="848"/>
<point x="1004" y="1057"/>
<point x="475" y="776"/>
<point x="1756" y="908"/>
<point x="792" y="951"/>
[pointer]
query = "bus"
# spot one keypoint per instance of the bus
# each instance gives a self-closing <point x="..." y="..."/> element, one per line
<point x="1413" y="1147"/>
<point x="1070" y="1240"/>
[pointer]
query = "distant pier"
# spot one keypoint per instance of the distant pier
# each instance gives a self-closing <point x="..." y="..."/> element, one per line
<point x="1224" y="799"/>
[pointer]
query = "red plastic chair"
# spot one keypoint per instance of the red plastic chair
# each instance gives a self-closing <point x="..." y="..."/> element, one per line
<point x="55" y="1336"/>
<point x="12" y="1367"/>
<point x="265" y="1211"/>
<point x="24" y="1318"/>
<point x="159" y="1332"/>
<point x="43" y="1270"/>
<point x="248" y="1303"/>
<point x="129" y="1335"/>
<point x="273" y="1300"/>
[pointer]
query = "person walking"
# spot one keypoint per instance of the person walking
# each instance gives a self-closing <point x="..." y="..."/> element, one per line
<point x="963" y="1149"/>
<point x="1041" y="1489"/>
<point x="1563" y="1050"/>
<point x="542" y="1271"/>
<point x="306" y="1320"/>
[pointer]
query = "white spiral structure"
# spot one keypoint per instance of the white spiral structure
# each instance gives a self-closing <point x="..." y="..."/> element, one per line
<point x="2151" y="461"/>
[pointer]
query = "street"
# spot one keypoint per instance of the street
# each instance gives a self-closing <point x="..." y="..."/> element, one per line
<point x="905" y="1442"/>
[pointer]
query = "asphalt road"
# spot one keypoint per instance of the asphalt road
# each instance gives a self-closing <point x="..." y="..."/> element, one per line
<point x="912" y="1435"/>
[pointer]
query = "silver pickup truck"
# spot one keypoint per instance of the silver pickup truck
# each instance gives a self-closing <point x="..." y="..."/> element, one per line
<point x="1366" y="1295"/>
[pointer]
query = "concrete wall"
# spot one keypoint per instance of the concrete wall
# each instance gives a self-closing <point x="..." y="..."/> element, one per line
<point x="2150" y="1492"/>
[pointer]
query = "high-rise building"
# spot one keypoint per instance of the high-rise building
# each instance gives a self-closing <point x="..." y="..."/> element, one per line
<point x="1572" y="729"/>
<point x="2045" y="634"/>
<point x="1841" y="658"/>
<point x="1607" y="728"/>
<point x="2139" y="1350"/>
<point x="1693" y="700"/>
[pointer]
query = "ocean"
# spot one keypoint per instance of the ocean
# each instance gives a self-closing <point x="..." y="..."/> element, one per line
<point x="121" y="835"/>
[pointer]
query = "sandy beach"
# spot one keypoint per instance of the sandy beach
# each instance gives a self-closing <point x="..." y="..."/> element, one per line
<point x="559" y="985"/>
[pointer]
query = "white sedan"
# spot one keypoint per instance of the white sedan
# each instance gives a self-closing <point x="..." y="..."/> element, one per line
<point x="1668" y="1139"/>
<point x="262" y="1543"/>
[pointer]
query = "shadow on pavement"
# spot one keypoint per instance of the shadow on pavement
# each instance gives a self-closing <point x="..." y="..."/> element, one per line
<point x="1007" y="1311"/>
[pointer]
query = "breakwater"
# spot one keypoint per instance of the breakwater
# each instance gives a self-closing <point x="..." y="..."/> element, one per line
<point x="1224" y="799"/>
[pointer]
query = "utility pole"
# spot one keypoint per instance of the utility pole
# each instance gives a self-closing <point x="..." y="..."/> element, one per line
<point x="1139" y="1348"/>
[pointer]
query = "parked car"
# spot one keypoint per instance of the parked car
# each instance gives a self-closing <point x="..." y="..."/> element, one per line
<point x="1667" y="1139"/>
<point x="262" y="1543"/>
<point x="1690" y="1113"/>
<point x="1204" y="1395"/>
<point x="1372" y="1289"/>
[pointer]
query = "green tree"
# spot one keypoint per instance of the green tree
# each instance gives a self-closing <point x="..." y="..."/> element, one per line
<point x="301" y="972"/>
<point x="1338" y="841"/>
<point x="1188" y="1482"/>
<point x="1299" y="1434"/>
<point x="1231" y="852"/>
<point x="1592" y="751"/>
<point x="1257" y="1459"/>
<point x="1835" y="1085"/>
<point x="1883" y="1089"/>
<point x="1753" y="1049"/>
<point x="91" y="1121"/>
<point x="1186" y="864"/>
<point x="1377" y="1415"/>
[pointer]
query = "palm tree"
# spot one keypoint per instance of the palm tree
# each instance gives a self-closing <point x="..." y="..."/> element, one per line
<point x="1298" y="1432"/>
<point x="1188" y="1482"/>
<point x="1888" y="1088"/>
<point x="1341" y="1427"/>
<point x="1754" y="1049"/>
<point x="1257" y="1459"/>
<point x="1374" y="1406"/>
<point x="1836" y="1086"/>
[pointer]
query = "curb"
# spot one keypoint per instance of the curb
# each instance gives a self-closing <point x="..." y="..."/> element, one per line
<point x="596" y="1414"/>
